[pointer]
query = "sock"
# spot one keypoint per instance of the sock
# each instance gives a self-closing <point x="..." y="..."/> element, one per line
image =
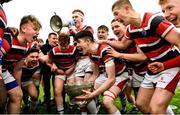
<point x="117" y="113"/>
<point x="60" y="109"/>
<point x="71" y="104"/>
<point x="34" y="104"/>
<point x="83" y="110"/>
<point x="92" y="107"/>
<point x="123" y="101"/>
<point x="169" y="111"/>
<point x="33" y="107"/>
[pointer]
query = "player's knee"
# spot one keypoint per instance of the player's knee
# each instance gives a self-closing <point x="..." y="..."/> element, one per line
<point x="58" y="92"/>
<point x="157" y="108"/>
<point x="108" y="99"/>
<point x="34" y="96"/>
<point x="143" y="108"/>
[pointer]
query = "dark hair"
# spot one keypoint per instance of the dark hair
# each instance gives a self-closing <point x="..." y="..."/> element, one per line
<point x="52" y="33"/>
<point x="85" y="35"/>
<point x="32" y="50"/>
<point x="4" y="1"/>
<point x="104" y="27"/>
<point x="113" y="20"/>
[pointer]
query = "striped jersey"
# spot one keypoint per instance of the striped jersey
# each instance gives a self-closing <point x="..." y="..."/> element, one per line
<point x="27" y="72"/>
<point x="64" y="59"/>
<point x="150" y="38"/>
<point x="101" y="57"/>
<point x="12" y="50"/>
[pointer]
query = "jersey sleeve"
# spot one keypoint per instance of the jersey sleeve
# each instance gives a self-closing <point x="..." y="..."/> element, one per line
<point x="89" y="28"/>
<point x="7" y="43"/>
<point x="174" y="62"/>
<point x="160" y="25"/>
<point x="105" y="55"/>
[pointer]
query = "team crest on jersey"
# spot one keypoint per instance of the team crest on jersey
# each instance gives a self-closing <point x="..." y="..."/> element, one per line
<point x="144" y="33"/>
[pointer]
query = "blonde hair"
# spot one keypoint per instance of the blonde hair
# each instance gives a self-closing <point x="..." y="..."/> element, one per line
<point x="79" y="11"/>
<point x="162" y="2"/>
<point x="120" y="3"/>
<point x="31" y="18"/>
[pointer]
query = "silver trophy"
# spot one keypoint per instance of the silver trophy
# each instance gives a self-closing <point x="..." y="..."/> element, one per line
<point x="75" y="89"/>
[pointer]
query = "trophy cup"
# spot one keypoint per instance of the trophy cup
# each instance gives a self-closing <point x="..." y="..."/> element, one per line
<point x="75" y="89"/>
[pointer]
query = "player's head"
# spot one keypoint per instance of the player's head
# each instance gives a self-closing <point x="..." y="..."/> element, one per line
<point x="102" y="32"/>
<point x="122" y="11"/>
<point x="84" y="40"/>
<point x="64" y="41"/>
<point x="118" y="28"/>
<point x="29" y="27"/>
<point x="78" y="17"/>
<point x="171" y="10"/>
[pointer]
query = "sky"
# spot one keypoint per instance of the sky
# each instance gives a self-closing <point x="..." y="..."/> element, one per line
<point x="97" y="12"/>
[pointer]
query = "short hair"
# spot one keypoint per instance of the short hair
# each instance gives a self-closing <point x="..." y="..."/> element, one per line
<point x="32" y="50"/>
<point x="103" y="27"/>
<point x="160" y="2"/>
<point x="30" y="18"/>
<point x="40" y="40"/>
<point x="78" y="10"/>
<point x="120" y="3"/>
<point x="52" y="33"/>
<point x="84" y="35"/>
<point x="64" y="38"/>
<point x="113" y="20"/>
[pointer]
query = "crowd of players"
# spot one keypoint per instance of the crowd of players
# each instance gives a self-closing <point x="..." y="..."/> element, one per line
<point x="143" y="57"/>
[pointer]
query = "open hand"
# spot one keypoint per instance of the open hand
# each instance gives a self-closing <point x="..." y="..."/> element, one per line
<point x="112" y="52"/>
<point x="86" y="96"/>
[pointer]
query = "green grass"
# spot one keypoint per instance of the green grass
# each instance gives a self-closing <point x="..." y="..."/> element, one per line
<point x="175" y="101"/>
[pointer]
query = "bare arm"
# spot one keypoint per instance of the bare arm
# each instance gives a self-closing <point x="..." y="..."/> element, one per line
<point x="70" y="70"/>
<point x="17" y="72"/>
<point x="139" y="56"/>
<point x="110" y="71"/>
<point x="173" y="37"/>
<point x="123" y="44"/>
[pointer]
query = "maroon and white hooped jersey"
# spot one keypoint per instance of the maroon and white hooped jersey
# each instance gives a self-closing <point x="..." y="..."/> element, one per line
<point x="64" y="59"/>
<point x="101" y="57"/>
<point x="3" y="24"/>
<point x="150" y="38"/>
<point x="12" y="50"/>
<point x="138" y="67"/>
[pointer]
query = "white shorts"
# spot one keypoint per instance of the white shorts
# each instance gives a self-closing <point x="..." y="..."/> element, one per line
<point x="121" y="80"/>
<point x="136" y="80"/>
<point x="9" y="80"/>
<point x="101" y="79"/>
<point x="167" y="79"/>
<point x="26" y="83"/>
<point x="64" y="77"/>
<point x="38" y="71"/>
<point x="83" y="66"/>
